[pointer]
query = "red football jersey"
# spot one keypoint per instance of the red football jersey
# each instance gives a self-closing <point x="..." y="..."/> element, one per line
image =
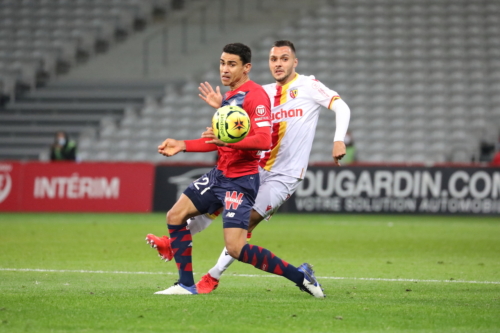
<point x="254" y="100"/>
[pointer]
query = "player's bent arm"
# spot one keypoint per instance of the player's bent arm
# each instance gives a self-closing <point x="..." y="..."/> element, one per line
<point x="199" y="146"/>
<point x="342" y="116"/>
<point x="261" y="140"/>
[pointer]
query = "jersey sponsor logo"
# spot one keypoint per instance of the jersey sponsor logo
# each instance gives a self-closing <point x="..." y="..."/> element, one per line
<point x="233" y="199"/>
<point x="260" y="110"/>
<point x="281" y="114"/>
<point x="294" y="93"/>
<point x="230" y="214"/>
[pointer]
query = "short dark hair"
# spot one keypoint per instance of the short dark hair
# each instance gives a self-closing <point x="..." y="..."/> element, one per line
<point x="240" y="50"/>
<point x="280" y="43"/>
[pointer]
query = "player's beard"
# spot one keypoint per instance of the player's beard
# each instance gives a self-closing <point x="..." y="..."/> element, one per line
<point x="285" y="77"/>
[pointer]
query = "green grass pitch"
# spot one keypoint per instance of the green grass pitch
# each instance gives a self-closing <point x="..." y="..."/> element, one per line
<point x="380" y="273"/>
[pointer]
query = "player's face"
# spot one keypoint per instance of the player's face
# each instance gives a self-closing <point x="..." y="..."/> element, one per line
<point x="232" y="70"/>
<point x="282" y="63"/>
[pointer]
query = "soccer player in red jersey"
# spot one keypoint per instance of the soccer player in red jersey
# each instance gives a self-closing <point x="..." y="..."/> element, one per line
<point x="232" y="185"/>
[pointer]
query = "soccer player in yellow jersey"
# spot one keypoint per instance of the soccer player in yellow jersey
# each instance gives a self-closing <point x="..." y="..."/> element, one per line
<point x="295" y="104"/>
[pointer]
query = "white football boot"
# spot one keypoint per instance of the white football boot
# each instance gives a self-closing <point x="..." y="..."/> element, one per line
<point x="178" y="289"/>
<point x="310" y="284"/>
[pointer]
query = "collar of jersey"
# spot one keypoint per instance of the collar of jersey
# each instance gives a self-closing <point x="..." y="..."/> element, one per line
<point x="286" y="86"/>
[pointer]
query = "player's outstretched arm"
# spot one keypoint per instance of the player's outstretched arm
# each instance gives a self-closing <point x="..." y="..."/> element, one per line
<point x="171" y="147"/>
<point x="209" y="96"/>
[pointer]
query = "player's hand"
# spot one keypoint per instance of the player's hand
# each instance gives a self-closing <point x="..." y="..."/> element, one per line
<point x="209" y="133"/>
<point x="338" y="151"/>
<point x="211" y="97"/>
<point x="170" y="147"/>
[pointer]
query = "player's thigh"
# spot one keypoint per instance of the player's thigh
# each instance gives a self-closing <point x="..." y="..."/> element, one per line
<point x="181" y="211"/>
<point x="201" y="193"/>
<point x="274" y="190"/>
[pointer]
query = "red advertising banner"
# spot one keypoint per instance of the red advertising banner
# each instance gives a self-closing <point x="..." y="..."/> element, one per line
<point x="10" y="186"/>
<point x="82" y="187"/>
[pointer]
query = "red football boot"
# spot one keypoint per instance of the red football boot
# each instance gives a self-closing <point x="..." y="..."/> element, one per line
<point x="162" y="245"/>
<point x="207" y="284"/>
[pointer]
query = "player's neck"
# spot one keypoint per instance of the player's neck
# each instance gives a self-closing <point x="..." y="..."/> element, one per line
<point x="289" y="79"/>
<point x="244" y="79"/>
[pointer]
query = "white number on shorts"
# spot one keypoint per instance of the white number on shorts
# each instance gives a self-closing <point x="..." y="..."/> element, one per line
<point x="201" y="181"/>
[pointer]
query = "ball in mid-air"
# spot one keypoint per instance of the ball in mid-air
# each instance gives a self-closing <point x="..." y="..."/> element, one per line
<point x="230" y="124"/>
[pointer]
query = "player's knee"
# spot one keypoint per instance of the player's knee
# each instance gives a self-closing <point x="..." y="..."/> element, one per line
<point x="174" y="217"/>
<point x="234" y="250"/>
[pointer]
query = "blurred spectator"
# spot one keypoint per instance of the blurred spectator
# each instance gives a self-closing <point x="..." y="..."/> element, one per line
<point x="350" y="153"/>
<point x="63" y="149"/>
<point x="487" y="151"/>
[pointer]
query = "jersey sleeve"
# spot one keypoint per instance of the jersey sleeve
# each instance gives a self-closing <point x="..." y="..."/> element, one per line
<point x="321" y="94"/>
<point x="258" y="107"/>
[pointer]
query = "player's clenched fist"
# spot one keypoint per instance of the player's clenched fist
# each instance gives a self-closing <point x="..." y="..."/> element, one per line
<point x="338" y="151"/>
<point x="170" y="147"/>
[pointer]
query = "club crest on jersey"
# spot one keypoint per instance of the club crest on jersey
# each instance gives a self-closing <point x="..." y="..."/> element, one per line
<point x="260" y="110"/>
<point x="294" y="93"/>
<point x="233" y="199"/>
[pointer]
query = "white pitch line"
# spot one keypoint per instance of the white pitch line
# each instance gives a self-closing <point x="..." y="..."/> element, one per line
<point x="240" y="275"/>
<point x="81" y="271"/>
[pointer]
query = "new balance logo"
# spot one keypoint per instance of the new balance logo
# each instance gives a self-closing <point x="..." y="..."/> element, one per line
<point x="230" y="214"/>
<point x="233" y="199"/>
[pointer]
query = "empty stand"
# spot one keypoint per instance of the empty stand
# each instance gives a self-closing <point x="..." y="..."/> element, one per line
<point x="421" y="77"/>
<point x="27" y="127"/>
<point x="39" y="39"/>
